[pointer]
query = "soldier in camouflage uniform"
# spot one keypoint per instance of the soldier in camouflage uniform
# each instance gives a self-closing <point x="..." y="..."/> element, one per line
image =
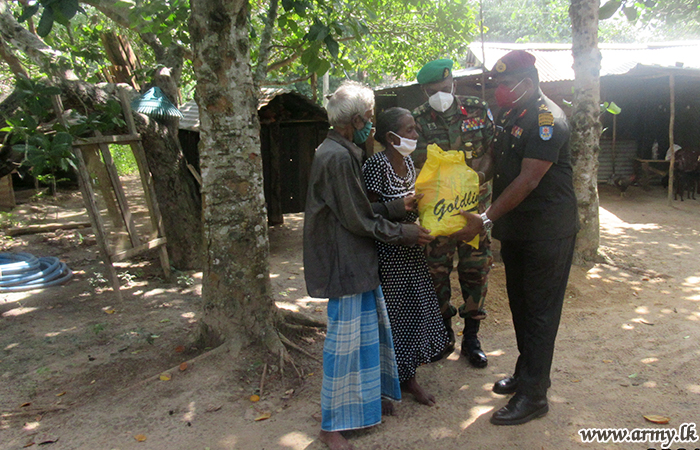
<point x="465" y="124"/>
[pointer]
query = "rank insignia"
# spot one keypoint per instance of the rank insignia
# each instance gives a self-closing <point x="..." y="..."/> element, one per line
<point x="546" y="132"/>
<point x="516" y="131"/>
<point x="545" y="119"/>
<point x="432" y="126"/>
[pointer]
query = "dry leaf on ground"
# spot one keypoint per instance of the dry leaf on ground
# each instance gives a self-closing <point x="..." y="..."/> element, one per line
<point x="140" y="437"/>
<point x="653" y="418"/>
<point x="263" y="416"/>
<point x="183" y="366"/>
<point x="165" y="377"/>
<point x="254" y="398"/>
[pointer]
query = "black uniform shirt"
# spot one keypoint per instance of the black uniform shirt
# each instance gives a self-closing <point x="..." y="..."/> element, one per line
<point x="537" y="130"/>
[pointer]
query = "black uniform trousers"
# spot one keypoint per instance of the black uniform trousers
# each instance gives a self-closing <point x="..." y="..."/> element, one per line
<point x="536" y="276"/>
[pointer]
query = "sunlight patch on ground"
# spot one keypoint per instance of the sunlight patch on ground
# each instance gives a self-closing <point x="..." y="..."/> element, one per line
<point x="295" y="440"/>
<point x="474" y="414"/>
<point x="615" y="226"/>
<point x="498" y="352"/>
<point x="694" y="388"/>
<point x="228" y="442"/>
<point x="288" y="306"/>
<point x="627" y="326"/>
<point x="442" y="433"/>
<point x="649" y="360"/>
<point x="18" y="311"/>
<point x="15" y="297"/>
<point x="29" y="426"/>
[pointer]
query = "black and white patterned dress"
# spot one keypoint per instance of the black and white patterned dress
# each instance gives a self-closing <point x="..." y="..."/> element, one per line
<point x="416" y="324"/>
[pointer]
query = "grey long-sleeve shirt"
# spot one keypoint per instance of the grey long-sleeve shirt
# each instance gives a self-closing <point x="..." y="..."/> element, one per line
<point x="340" y="226"/>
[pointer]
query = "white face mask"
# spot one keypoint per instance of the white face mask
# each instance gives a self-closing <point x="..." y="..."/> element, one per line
<point x="441" y="101"/>
<point x="406" y="146"/>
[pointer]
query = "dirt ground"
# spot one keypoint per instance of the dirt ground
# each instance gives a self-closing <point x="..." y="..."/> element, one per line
<point x="79" y="370"/>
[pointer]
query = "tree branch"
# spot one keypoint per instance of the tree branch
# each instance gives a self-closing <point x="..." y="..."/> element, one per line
<point x="49" y="60"/>
<point x="261" y="69"/>
<point x="11" y="60"/>
<point x="284" y="83"/>
<point x="285" y="62"/>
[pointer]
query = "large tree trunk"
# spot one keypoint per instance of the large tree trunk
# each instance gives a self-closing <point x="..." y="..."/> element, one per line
<point x="238" y="306"/>
<point x="585" y="123"/>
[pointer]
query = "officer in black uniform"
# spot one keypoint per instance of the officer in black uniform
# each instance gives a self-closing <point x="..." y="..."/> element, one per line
<point x="535" y="217"/>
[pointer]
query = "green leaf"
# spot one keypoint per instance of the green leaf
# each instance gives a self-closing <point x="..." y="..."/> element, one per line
<point x="612" y="108"/>
<point x="28" y="12"/>
<point x="45" y="23"/>
<point x="608" y="9"/>
<point x="323" y="67"/>
<point x="630" y="13"/>
<point x="332" y="45"/>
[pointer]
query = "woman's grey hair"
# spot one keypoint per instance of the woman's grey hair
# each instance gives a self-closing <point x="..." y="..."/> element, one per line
<point x="349" y="99"/>
<point x="389" y="120"/>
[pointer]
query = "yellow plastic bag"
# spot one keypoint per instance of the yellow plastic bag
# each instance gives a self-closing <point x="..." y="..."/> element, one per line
<point x="449" y="185"/>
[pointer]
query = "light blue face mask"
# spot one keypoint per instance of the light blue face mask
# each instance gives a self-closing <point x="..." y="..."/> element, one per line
<point x="360" y="136"/>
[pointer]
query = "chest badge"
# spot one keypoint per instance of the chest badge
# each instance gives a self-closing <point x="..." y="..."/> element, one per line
<point x="516" y="131"/>
<point x="472" y="124"/>
<point x="432" y="126"/>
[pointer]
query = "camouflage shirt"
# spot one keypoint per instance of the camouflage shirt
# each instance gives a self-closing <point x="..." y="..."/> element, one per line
<point x="467" y="125"/>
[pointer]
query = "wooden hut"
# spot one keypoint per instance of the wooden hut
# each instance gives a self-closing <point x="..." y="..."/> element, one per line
<point x="291" y="128"/>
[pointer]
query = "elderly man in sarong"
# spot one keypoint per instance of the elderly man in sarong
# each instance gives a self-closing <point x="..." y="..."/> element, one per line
<point x="340" y="263"/>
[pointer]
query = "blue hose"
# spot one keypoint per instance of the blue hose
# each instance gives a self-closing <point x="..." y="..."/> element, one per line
<point x="24" y="272"/>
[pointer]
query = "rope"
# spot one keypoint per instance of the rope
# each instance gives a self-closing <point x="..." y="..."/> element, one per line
<point x="24" y="272"/>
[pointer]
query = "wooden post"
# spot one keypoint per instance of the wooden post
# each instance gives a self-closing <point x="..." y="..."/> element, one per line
<point x="672" y="88"/>
<point x="149" y="189"/>
<point x="614" y="136"/>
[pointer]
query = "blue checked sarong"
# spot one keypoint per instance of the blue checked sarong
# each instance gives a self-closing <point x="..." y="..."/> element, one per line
<point x="359" y="365"/>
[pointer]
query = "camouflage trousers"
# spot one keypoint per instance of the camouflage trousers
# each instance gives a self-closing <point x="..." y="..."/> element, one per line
<point x="473" y="269"/>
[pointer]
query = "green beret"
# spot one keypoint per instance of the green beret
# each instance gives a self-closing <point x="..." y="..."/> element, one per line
<point x="435" y="71"/>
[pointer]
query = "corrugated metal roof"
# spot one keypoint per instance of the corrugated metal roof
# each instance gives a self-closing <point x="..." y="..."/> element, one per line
<point x="190" y="110"/>
<point x="555" y="61"/>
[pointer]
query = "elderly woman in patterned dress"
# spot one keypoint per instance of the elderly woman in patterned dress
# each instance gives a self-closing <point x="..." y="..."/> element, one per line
<point x="417" y="328"/>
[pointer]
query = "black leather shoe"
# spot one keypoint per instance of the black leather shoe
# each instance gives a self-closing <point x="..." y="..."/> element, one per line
<point x="507" y="385"/>
<point x="471" y="349"/>
<point x="520" y="409"/>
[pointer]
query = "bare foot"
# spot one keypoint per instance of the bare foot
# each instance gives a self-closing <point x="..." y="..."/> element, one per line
<point x="334" y="440"/>
<point x="418" y="392"/>
<point x="387" y="407"/>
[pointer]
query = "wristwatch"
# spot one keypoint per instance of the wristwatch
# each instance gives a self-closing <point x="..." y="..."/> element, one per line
<point x="486" y="222"/>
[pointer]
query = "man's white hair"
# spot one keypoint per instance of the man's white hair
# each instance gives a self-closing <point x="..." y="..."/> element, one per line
<point x="349" y="99"/>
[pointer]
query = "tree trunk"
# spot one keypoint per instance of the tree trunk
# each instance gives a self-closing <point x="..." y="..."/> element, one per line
<point x="585" y="124"/>
<point x="238" y="306"/>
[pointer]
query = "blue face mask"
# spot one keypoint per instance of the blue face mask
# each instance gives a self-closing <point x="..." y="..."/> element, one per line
<point x="360" y="136"/>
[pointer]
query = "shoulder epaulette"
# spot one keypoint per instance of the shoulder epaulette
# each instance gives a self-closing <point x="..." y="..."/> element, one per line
<point x="422" y="109"/>
<point x="468" y="100"/>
